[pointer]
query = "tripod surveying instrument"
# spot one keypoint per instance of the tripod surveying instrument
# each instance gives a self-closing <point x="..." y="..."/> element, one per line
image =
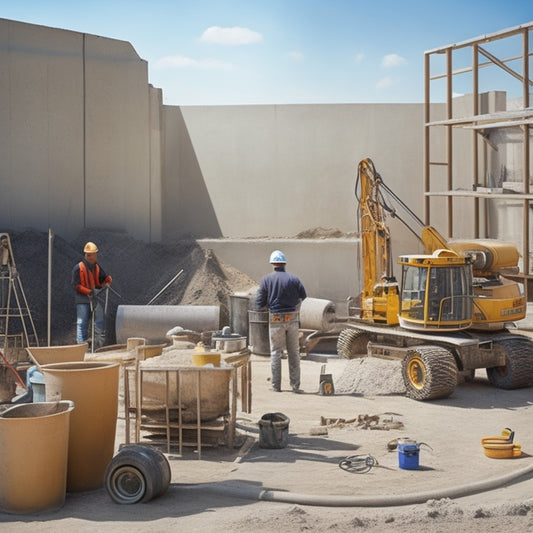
<point x="17" y="329"/>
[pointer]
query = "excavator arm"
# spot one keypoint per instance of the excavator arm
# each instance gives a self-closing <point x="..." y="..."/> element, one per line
<point x="380" y="296"/>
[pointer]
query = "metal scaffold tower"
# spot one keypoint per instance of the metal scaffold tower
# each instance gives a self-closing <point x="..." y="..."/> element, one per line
<point x="494" y="190"/>
<point x="17" y="329"/>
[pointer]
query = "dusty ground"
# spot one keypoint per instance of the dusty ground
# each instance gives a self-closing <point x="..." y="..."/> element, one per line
<point x="300" y="487"/>
<point x="223" y="490"/>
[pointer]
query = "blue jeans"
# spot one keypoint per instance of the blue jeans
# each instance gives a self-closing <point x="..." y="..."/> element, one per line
<point x="83" y="312"/>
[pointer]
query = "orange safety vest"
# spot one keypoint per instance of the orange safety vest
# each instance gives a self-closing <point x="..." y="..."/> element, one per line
<point x="88" y="279"/>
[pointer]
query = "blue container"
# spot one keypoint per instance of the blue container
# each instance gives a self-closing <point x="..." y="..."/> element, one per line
<point x="408" y="456"/>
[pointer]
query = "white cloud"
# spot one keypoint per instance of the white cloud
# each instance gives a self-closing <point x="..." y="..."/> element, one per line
<point x="358" y="58"/>
<point x="383" y="83"/>
<point x="230" y="36"/>
<point x="393" y="60"/>
<point x="295" y="55"/>
<point x="187" y="62"/>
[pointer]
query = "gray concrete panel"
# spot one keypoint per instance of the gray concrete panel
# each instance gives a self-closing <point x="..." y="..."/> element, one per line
<point x="187" y="202"/>
<point x="279" y="170"/>
<point x="117" y="139"/>
<point x="41" y="138"/>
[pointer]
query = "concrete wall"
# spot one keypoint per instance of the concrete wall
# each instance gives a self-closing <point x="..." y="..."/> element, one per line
<point x="328" y="268"/>
<point x="238" y="174"/>
<point x="42" y="127"/>
<point x="277" y="170"/>
<point x="76" y="141"/>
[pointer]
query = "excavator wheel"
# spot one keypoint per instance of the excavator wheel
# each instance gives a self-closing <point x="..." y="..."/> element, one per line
<point x="352" y="343"/>
<point x="518" y="369"/>
<point x="429" y="372"/>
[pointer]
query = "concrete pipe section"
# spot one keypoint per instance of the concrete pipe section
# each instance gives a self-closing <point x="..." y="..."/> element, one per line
<point x="153" y="321"/>
<point x="317" y="314"/>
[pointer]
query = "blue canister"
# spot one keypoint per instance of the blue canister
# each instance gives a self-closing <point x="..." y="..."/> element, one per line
<point x="408" y="456"/>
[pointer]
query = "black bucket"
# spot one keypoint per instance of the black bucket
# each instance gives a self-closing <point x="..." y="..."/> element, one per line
<point x="273" y="430"/>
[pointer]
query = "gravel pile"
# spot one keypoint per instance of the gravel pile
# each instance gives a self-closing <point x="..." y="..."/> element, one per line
<point x="370" y="376"/>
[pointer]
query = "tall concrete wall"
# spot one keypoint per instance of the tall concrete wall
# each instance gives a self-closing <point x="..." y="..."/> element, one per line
<point x="41" y="127"/>
<point x="76" y="142"/>
<point x="277" y="170"/>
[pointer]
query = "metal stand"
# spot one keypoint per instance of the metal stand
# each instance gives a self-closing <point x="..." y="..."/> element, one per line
<point x="134" y="401"/>
<point x="14" y="306"/>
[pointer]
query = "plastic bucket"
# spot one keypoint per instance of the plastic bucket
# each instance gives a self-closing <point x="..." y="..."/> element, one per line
<point x="408" y="456"/>
<point x="93" y="387"/>
<point x="33" y="461"/>
<point x="273" y="430"/>
<point x="258" y="338"/>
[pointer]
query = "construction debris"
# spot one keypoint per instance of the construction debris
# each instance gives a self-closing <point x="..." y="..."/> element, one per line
<point x="385" y="421"/>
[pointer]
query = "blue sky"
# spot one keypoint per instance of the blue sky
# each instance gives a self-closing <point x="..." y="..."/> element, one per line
<point x="225" y="52"/>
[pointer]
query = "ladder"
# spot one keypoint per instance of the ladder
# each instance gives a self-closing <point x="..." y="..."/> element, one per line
<point x="17" y="329"/>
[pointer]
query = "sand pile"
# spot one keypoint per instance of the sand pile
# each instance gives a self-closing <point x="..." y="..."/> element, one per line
<point x="370" y="376"/>
<point x="139" y="270"/>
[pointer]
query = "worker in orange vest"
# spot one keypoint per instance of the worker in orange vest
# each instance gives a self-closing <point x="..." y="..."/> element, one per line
<point x="88" y="280"/>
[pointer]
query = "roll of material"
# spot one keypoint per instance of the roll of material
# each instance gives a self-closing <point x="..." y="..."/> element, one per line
<point x="153" y="321"/>
<point x="317" y="314"/>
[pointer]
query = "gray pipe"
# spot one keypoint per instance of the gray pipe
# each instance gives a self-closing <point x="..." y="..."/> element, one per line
<point x="387" y="500"/>
<point x="317" y="314"/>
<point x="153" y="321"/>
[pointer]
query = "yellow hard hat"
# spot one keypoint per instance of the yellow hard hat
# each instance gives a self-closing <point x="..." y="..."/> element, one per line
<point x="90" y="248"/>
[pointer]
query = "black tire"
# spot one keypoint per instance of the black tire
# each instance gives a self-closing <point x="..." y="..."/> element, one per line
<point x="137" y="474"/>
<point x="518" y="369"/>
<point x="429" y="372"/>
<point x="352" y="343"/>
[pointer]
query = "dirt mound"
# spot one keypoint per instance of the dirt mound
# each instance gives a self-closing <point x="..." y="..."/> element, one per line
<point x="324" y="233"/>
<point x="139" y="270"/>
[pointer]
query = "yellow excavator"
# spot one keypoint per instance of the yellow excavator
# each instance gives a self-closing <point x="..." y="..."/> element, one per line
<point x="450" y="310"/>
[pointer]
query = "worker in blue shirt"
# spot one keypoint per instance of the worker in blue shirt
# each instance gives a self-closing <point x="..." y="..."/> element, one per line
<point x="282" y="293"/>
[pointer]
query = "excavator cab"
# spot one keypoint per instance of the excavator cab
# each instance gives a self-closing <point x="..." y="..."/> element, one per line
<point x="436" y="292"/>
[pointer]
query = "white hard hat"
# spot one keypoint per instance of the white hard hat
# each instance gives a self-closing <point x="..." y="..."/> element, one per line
<point x="277" y="257"/>
<point x="90" y="248"/>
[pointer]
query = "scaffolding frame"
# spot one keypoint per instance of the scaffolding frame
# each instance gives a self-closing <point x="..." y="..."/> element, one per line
<point x="480" y="124"/>
<point x="13" y="306"/>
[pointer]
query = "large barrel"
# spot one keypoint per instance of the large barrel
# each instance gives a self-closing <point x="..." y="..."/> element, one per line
<point x="93" y="387"/>
<point x="33" y="466"/>
<point x="258" y="339"/>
